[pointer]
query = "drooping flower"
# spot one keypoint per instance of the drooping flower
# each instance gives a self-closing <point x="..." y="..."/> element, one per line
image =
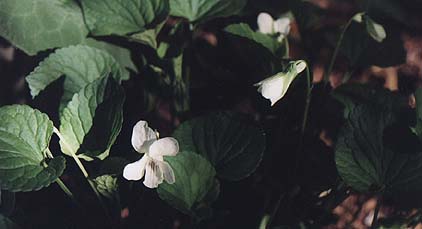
<point x="275" y="87"/>
<point x="152" y="164"/>
<point x="267" y="25"/>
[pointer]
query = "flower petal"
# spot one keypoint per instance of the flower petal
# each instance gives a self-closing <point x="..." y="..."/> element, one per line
<point x="142" y="134"/>
<point x="300" y="66"/>
<point x="164" y="147"/>
<point x="272" y="88"/>
<point x="282" y="26"/>
<point x="265" y="23"/>
<point x="153" y="175"/>
<point x="167" y="171"/>
<point x="135" y="170"/>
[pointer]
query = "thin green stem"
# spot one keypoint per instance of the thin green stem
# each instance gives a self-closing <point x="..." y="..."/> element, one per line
<point x="83" y="170"/>
<point x="66" y="190"/>
<point x="336" y="50"/>
<point x="309" y="87"/>
<point x="74" y="156"/>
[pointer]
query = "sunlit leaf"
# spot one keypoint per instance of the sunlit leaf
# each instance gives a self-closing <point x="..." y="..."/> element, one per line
<point x="204" y="10"/>
<point x="120" y="54"/>
<point x="93" y="119"/>
<point x="80" y="65"/>
<point x="24" y="137"/>
<point x="43" y="24"/>
<point x="121" y="17"/>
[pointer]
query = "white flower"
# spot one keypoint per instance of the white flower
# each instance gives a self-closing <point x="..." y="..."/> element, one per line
<point x="152" y="164"/>
<point x="267" y="25"/>
<point x="275" y="87"/>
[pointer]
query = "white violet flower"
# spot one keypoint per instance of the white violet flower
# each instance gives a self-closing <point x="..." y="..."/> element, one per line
<point x="275" y="87"/>
<point x="267" y="25"/>
<point x="152" y="164"/>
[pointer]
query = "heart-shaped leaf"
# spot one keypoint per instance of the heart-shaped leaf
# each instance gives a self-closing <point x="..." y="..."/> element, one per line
<point x="121" y="17"/>
<point x="367" y="162"/>
<point x="233" y="143"/>
<point x="80" y="65"/>
<point x="24" y="137"/>
<point x="197" y="11"/>
<point x="34" y="26"/>
<point x="93" y="119"/>
<point x="195" y="184"/>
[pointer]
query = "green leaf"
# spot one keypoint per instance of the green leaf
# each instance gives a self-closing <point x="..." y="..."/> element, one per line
<point x="198" y="11"/>
<point x="233" y="143"/>
<point x="120" y="54"/>
<point x="365" y="159"/>
<point x="106" y="185"/>
<point x="34" y="26"/>
<point x="195" y="179"/>
<point x="270" y="43"/>
<point x="93" y="119"/>
<point x="6" y="223"/>
<point x="24" y="137"/>
<point x="121" y="17"/>
<point x="80" y="65"/>
<point x="148" y="37"/>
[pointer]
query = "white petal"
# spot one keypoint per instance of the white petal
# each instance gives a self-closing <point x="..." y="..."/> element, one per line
<point x="265" y="23"/>
<point x="282" y="26"/>
<point x="153" y="175"/>
<point x="167" y="171"/>
<point x="135" y="170"/>
<point x="300" y="66"/>
<point x="164" y="147"/>
<point x="272" y="88"/>
<point x="142" y="134"/>
<point x="358" y="17"/>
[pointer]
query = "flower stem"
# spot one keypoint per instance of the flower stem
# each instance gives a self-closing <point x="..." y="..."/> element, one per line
<point x="336" y="50"/>
<point x="309" y="88"/>
<point x="84" y="171"/>
<point x="308" y="100"/>
<point x="74" y="156"/>
<point x="67" y="191"/>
